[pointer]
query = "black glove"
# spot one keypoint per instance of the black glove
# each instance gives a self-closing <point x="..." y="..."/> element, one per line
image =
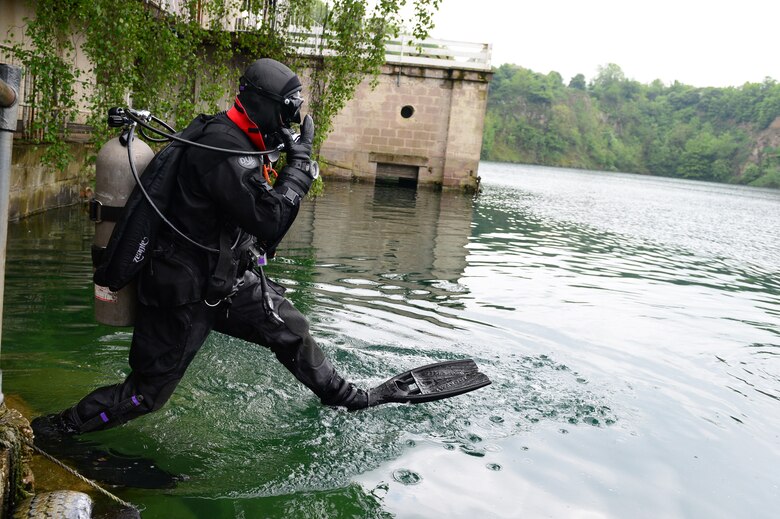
<point x="299" y="172"/>
<point x="300" y="150"/>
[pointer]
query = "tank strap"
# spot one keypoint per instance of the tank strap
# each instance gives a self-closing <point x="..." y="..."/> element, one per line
<point x="97" y="255"/>
<point x="103" y="213"/>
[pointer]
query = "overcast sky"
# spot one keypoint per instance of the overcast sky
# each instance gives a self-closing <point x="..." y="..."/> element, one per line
<point x="696" y="42"/>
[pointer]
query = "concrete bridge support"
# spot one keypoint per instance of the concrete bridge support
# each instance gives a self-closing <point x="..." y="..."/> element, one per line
<point x="420" y="125"/>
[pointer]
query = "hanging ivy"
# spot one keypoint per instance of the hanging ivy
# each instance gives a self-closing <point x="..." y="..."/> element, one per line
<point x="49" y="58"/>
<point x="178" y="64"/>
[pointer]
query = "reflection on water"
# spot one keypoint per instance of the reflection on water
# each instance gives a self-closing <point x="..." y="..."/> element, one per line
<point x="629" y="325"/>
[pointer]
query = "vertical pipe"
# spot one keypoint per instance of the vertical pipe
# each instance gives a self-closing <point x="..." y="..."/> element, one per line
<point x="10" y="79"/>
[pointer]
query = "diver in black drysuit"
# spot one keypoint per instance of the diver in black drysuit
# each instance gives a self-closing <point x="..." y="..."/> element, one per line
<point x="185" y="292"/>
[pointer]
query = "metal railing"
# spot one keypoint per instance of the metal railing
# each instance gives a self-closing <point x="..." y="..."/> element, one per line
<point x="171" y="6"/>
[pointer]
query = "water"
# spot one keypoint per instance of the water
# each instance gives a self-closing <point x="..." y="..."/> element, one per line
<point x="630" y="325"/>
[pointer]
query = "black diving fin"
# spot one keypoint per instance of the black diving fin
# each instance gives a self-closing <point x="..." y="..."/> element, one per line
<point x="429" y="383"/>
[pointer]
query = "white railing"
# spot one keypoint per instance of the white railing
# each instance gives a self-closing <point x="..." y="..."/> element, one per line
<point x="438" y="53"/>
<point x="171" y="6"/>
<point x="406" y="51"/>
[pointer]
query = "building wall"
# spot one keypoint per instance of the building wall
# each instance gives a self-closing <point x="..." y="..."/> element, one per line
<point x="442" y="137"/>
<point x="12" y="28"/>
<point x="35" y="187"/>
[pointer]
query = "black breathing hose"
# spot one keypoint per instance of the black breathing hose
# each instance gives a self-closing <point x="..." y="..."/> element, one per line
<point x="140" y="119"/>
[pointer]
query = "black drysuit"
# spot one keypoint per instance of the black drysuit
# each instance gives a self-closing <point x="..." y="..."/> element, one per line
<point x="220" y="201"/>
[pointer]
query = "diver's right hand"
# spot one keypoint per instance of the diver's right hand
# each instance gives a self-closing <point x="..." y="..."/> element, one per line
<point x="300" y="149"/>
<point x="300" y="171"/>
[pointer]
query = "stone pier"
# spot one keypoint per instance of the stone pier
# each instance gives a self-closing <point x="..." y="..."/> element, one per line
<point x="420" y="125"/>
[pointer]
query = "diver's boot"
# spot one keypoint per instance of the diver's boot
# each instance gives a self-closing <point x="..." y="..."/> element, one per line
<point x="325" y="382"/>
<point x="59" y="435"/>
<point x="335" y="391"/>
<point x="54" y="429"/>
<point x="354" y="400"/>
<point x="344" y="394"/>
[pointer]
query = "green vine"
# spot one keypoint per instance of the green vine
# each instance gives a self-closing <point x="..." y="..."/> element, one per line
<point x="179" y="64"/>
<point x="48" y="57"/>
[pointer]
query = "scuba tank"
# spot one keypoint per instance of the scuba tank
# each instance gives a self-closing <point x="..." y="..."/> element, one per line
<point x="114" y="182"/>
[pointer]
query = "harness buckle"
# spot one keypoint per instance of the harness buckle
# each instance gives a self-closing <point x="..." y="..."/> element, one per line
<point x="95" y="210"/>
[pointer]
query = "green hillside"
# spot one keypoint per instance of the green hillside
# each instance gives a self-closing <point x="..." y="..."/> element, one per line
<point x="618" y="124"/>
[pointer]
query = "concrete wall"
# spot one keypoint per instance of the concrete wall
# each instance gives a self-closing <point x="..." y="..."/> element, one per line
<point x="35" y="187"/>
<point x="442" y="138"/>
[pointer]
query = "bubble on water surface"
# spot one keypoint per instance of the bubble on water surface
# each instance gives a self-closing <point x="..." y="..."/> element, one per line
<point x="407" y="477"/>
<point x="472" y="451"/>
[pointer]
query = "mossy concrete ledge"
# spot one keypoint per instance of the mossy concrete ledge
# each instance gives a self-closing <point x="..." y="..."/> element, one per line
<point x="36" y="187"/>
<point x="15" y="455"/>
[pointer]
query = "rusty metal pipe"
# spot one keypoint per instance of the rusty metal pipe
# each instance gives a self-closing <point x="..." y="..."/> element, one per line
<point x="7" y="95"/>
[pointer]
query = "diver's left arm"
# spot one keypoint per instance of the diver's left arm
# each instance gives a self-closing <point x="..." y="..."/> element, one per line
<point x="241" y="192"/>
<point x="239" y="188"/>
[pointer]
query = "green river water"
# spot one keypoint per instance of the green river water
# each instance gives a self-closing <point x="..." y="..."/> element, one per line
<point x="630" y="325"/>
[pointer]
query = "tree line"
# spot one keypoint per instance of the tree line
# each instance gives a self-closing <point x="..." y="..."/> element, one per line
<point x="618" y="124"/>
